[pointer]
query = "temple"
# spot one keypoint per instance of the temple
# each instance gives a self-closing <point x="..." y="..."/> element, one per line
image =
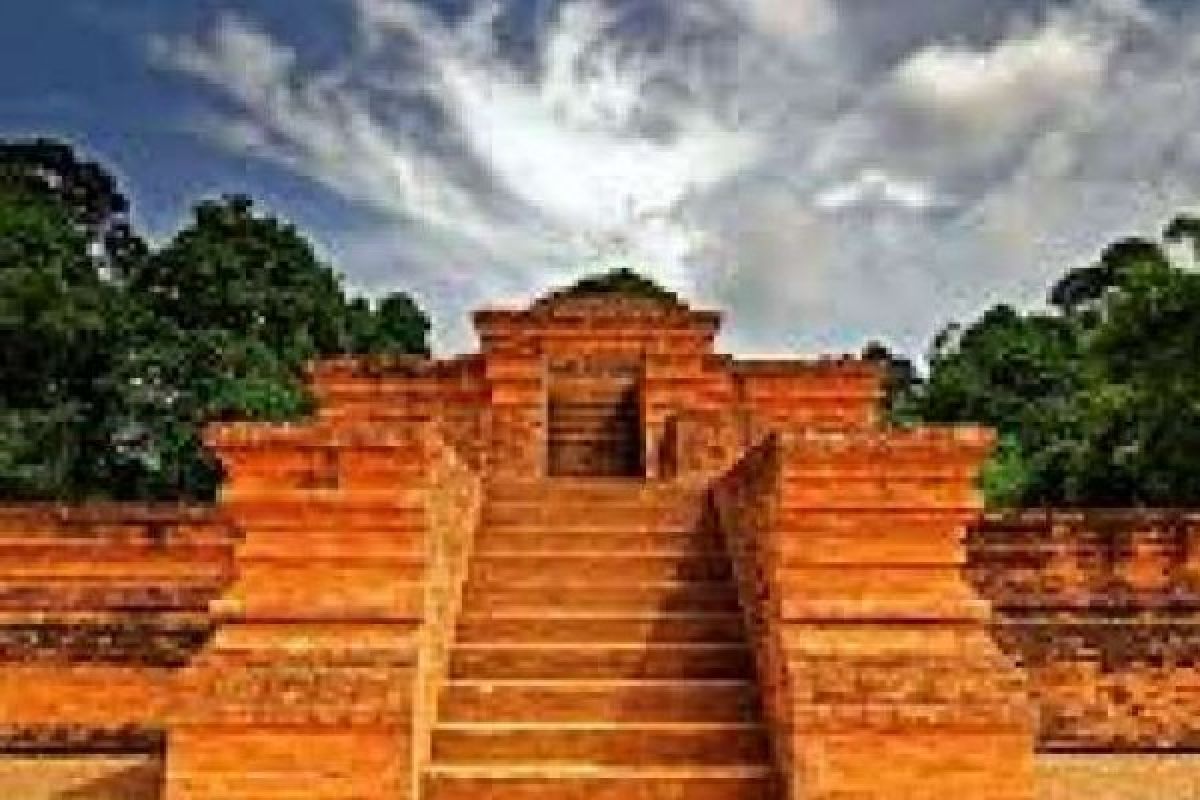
<point x="597" y="559"/>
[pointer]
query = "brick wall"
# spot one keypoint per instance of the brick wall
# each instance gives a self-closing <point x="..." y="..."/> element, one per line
<point x="1099" y="608"/>
<point x="99" y="607"/>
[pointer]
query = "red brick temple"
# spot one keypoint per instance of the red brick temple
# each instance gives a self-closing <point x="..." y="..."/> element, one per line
<point x="597" y="560"/>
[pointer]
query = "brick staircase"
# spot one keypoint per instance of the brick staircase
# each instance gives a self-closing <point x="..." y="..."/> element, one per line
<point x="600" y="654"/>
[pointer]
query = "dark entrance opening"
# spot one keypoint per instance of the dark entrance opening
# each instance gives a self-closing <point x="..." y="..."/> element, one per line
<point x="595" y="419"/>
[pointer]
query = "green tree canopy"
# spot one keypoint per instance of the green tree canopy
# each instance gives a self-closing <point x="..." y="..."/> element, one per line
<point x="1097" y="398"/>
<point x="395" y="324"/>
<point x="86" y="191"/>
<point x="114" y="356"/>
<point x="58" y="318"/>
<point x="622" y="280"/>
<point x="900" y="376"/>
<point x="234" y="270"/>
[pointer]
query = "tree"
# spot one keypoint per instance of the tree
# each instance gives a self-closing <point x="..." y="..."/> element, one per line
<point x="1143" y="406"/>
<point x="401" y="328"/>
<point x="395" y="325"/>
<point x="237" y="304"/>
<point x="900" y="381"/>
<point x="85" y="190"/>
<point x="623" y="281"/>
<point x="56" y="335"/>
<point x="1019" y="373"/>
<point x="238" y="271"/>
<point x="1096" y="399"/>
<point x="114" y="357"/>
<point x="1079" y="292"/>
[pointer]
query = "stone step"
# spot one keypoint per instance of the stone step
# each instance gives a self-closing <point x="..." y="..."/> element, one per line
<point x="646" y="597"/>
<point x="564" y="541"/>
<point x="602" y="660"/>
<point x="600" y="743"/>
<point x="588" y="782"/>
<point x="586" y="449"/>
<point x="593" y="568"/>
<point x="616" y="701"/>
<point x="594" y="396"/>
<point x="580" y="446"/>
<point x="592" y="391"/>
<point x="610" y="431"/>
<point x="587" y="459"/>
<point x="582" y="389"/>
<point x="597" y="409"/>
<point x="601" y="492"/>
<point x="580" y="526"/>
<point x="556" y="626"/>
<point x="594" y="410"/>
<point x="600" y="406"/>
<point x="621" y="427"/>
<point x="592" y="512"/>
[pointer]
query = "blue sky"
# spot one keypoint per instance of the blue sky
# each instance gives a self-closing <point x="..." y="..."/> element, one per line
<point x="828" y="171"/>
<point x="81" y="69"/>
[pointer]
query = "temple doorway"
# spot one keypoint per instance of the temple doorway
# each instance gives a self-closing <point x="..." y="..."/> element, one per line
<point x="594" y="418"/>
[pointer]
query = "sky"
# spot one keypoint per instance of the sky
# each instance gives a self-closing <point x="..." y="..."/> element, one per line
<point x="827" y="172"/>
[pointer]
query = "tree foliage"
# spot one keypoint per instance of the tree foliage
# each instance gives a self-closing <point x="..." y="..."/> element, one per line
<point x="899" y="379"/>
<point x="86" y="191"/>
<point x="113" y="356"/>
<point x="1097" y="398"/>
<point x="623" y="281"/>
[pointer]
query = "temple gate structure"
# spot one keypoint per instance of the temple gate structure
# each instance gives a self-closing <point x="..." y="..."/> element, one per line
<point x="596" y="560"/>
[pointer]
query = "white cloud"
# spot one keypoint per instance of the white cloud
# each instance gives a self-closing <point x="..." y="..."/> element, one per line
<point x="245" y="62"/>
<point x="1007" y="85"/>
<point x="826" y="178"/>
<point x="793" y="20"/>
<point x="316" y="124"/>
<point x="876" y="188"/>
<point x="569" y="144"/>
